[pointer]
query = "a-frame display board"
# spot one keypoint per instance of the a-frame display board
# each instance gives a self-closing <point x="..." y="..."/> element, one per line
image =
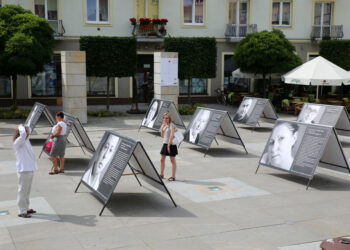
<point x="37" y="110"/>
<point x="206" y="124"/>
<point x="331" y="115"/>
<point x="114" y="153"/>
<point x="252" y="109"/>
<point x="154" y="115"/>
<point x="74" y="125"/>
<point x="299" y="148"/>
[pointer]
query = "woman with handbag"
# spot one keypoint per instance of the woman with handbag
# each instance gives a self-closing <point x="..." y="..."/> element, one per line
<point x="167" y="131"/>
<point x="59" y="140"/>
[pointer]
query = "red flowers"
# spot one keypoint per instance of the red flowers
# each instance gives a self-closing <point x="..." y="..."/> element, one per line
<point x="133" y="20"/>
<point x="146" y="20"/>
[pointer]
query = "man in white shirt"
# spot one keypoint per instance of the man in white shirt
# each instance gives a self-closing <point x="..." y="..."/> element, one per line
<point x="25" y="163"/>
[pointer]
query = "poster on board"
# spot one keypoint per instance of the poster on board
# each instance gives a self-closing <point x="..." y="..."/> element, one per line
<point x="154" y="115"/>
<point x="37" y="110"/>
<point x="252" y="109"/>
<point x="300" y="147"/>
<point x="331" y="115"/>
<point x="206" y="124"/>
<point x="169" y="69"/>
<point x="114" y="153"/>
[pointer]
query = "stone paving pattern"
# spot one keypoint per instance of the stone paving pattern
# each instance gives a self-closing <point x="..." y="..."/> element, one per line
<point x="284" y="216"/>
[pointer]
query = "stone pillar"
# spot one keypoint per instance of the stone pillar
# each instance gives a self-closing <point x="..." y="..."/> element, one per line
<point x="167" y="92"/>
<point x="74" y="83"/>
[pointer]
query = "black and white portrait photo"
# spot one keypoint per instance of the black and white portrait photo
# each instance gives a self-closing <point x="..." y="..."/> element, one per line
<point x="31" y="117"/>
<point x="281" y="148"/>
<point x="244" y="110"/>
<point x="198" y="126"/>
<point x="99" y="165"/>
<point x="311" y="114"/>
<point x="152" y="114"/>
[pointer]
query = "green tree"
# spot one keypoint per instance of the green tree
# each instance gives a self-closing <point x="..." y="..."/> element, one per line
<point x="266" y="53"/>
<point x="197" y="57"/>
<point x="109" y="57"/>
<point x="26" y="43"/>
<point x="336" y="51"/>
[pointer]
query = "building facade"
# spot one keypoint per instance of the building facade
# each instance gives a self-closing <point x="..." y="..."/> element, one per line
<point x="304" y="22"/>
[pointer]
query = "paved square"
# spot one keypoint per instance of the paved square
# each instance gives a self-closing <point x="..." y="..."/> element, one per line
<point x="215" y="189"/>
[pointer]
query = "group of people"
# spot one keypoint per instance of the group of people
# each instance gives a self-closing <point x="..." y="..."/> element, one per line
<point x="25" y="159"/>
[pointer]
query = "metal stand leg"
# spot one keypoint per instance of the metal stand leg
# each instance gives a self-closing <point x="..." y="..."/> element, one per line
<point x="245" y="150"/>
<point x="181" y="142"/>
<point x="205" y="154"/>
<point x="216" y="141"/>
<point x="308" y="184"/>
<point x="173" y="201"/>
<point x="103" y="209"/>
<point x="135" y="175"/>
<point x="259" y="124"/>
<point x="256" y="171"/>
<point x="139" y="129"/>
<point x="77" y="187"/>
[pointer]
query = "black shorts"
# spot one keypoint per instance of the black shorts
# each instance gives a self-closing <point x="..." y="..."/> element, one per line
<point x="173" y="150"/>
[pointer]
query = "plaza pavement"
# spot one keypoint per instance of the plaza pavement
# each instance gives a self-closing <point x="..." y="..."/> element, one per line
<point x="222" y="203"/>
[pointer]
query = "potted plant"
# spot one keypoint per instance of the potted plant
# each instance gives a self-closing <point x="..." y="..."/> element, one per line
<point x="162" y="29"/>
<point x="133" y="22"/>
<point x="146" y="25"/>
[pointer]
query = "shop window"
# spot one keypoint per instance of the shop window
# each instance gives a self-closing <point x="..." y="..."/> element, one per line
<point x="231" y="83"/>
<point x="147" y="8"/>
<point x="97" y="86"/>
<point x="48" y="83"/>
<point x="5" y="86"/>
<point x="193" y="12"/>
<point x="199" y="86"/>
<point x="281" y="13"/>
<point x="97" y="11"/>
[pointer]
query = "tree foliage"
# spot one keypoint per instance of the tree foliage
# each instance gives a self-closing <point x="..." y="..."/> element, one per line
<point x="197" y="56"/>
<point x="26" y="42"/>
<point x="109" y="56"/>
<point x="336" y="51"/>
<point x="266" y="53"/>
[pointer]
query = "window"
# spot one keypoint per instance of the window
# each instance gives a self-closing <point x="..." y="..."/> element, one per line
<point x="97" y="11"/>
<point x="281" y="13"/>
<point x="194" y="12"/>
<point x="232" y="83"/>
<point x="47" y="9"/>
<point x="48" y="83"/>
<point x="5" y="86"/>
<point x="199" y="86"/>
<point x="97" y="86"/>
<point x="323" y="19"/>
<point x="238" y="16"/>
<point x="147" y="8"/>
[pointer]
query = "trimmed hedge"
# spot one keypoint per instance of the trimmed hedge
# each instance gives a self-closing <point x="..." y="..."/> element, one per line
<point x="336" y="51"/>
<point x="109" y="56"/>
<point x="197" y="56"/>
<point x="104" y="113"/>
<point x="190" y="109"/>
<point x="14" y="114"/>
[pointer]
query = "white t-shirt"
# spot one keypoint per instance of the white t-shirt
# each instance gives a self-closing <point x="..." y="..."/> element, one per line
<point x="63" y="126"/>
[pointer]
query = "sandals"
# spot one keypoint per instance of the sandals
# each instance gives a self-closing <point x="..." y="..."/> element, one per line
<point x="52" y="172"/>
<point x="31" y="211"/>
<point x="172" y="179"/>
<point x="61" y="171"/>
<point x="27" y="215"/>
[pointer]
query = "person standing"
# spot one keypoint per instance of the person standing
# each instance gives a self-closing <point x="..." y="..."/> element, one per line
<point x="167" y="131"/>
<point x="25" y="163"/>
<point x="59" y="140"/>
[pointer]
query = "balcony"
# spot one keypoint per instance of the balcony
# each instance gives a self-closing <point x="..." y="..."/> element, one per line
<point x="235" y="33"/>
<point x="149" y="32"/>
<point x="327" y="32"/>
<point x="58" y="27"/>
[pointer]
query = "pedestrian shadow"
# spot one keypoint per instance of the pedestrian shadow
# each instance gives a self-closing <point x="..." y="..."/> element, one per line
<point x="37" y="141"/>
<point x="320" y="181"/>
<point x="143" y="204"/>
<point x="344" y="144"/>
<point x="84" y="220"/>
<point x="75" y="164"/>
<point x="258" y="129"/>
<point x="218" y="152"/>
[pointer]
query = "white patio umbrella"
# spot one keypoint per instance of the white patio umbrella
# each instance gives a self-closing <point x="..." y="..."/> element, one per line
<point x="318" y="72"/>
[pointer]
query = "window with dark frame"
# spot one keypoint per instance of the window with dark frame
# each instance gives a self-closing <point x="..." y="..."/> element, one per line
<point x="281" y="13"/>
<point x="97" y="11"/>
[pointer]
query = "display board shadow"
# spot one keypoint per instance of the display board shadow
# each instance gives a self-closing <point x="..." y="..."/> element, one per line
<point x="206" y="124"/>
<point x="299" y="148"/>
<point x="154" y="115"/>
<point x="114" y="153"/>
<point x="252" y="109"/>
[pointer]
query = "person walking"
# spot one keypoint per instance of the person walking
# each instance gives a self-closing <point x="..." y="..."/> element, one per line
<point x="59" y="140"/>
<point x="167" y="131"/>
<point x="25" y="163"/>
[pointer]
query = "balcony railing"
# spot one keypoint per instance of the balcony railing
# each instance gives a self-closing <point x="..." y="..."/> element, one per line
<point x="236" y="32"/>
<point x="149" y="30"/>
<point x="58" y="27"/>
<point x="327" y="32"/>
